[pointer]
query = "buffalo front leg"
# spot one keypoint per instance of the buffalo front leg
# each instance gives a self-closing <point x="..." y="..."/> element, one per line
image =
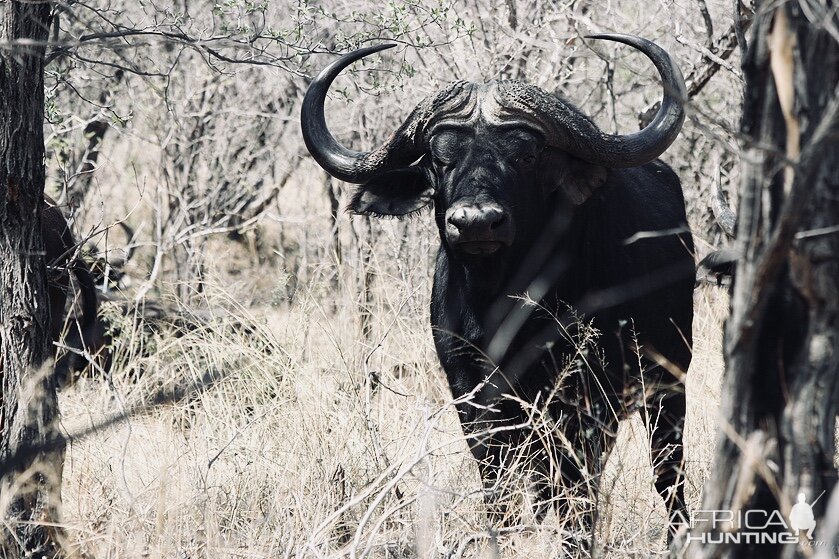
<point x="580" y="456"/>
<point x="497" y="441"/>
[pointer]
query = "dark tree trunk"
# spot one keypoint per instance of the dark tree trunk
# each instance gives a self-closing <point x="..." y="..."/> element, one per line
<point x="28" y="410"/>
<point x="782" y="338"/>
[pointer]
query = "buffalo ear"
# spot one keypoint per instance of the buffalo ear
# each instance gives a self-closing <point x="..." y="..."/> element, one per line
<point x="575" y="178"/>
<point x="395" y="193"/>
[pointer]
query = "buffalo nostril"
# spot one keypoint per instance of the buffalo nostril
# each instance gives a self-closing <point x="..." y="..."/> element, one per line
<point x="498" y="221"/>
<point x="458" y="218"/>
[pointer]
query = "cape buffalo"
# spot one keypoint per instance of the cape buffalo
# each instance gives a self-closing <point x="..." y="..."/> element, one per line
<point x="60" y="248"/>
<point x="548" y="227"/>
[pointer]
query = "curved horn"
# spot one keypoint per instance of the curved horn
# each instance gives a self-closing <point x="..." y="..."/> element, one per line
<point x="569" y="129"/>
<point x="725" y="216"/>
<point x="340" y="162"/>
<point x="130" y="247"/>
<point x="645" y="145"/>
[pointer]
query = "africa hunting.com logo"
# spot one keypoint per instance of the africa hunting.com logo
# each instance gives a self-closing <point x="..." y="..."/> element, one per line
<point x="720" y="526"/>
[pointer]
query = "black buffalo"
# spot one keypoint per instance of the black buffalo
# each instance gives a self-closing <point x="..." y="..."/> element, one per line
<point x="60" y="254"/>
<point x="531" y="198"/>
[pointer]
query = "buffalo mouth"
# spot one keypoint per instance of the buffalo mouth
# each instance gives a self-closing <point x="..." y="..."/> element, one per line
<point x="479" y="248"/>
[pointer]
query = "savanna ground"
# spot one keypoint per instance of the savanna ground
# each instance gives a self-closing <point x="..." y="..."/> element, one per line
<point x="326" y="427"/>
<point x="295" y="454"/>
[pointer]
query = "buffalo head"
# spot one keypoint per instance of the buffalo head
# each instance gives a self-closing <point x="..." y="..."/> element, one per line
<point x="489" y="156"/>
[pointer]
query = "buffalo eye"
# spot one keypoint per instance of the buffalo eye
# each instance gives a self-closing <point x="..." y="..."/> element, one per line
<point x="524" y="158"/>
<point x="447" y="147"/>
<point x="442" y="162"/>
<point x="522" y="146"/>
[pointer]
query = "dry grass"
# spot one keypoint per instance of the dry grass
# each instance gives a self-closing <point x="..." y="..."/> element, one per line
<point x="294" y="452"/>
